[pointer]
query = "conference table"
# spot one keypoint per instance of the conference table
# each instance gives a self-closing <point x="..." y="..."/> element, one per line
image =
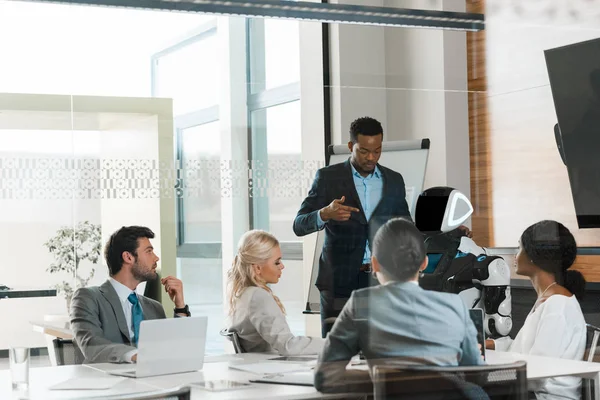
<point x="218" y="368"/>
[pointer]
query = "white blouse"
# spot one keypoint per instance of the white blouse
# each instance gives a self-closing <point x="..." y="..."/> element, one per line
<point x="262" y="327"/>
<point x="556" y="328"/>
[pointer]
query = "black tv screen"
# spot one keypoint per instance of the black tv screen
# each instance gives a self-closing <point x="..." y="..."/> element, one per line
<point x="574" y="73"/>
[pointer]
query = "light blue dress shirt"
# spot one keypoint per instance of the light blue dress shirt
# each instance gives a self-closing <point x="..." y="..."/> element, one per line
<point x="369" y="191"/>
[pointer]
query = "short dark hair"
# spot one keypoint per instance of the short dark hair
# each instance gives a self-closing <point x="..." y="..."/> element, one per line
<point x="399" y="248"/>
<point x="365" y="126"/>
<point x="551" y="246"/>
<point x="125" y="239"/>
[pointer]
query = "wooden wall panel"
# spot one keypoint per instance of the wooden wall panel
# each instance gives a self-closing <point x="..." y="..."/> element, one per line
<point x="517" y="176"/>
<point x="479" y="134"/>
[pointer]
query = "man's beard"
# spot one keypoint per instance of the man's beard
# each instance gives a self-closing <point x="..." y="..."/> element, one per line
<point x="141" y="275"/>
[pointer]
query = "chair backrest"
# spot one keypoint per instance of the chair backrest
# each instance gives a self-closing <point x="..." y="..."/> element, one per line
<point x="594" y="333"/>
<point x="235" y="339"/>
<point x="486" y="382"/>
<point x="178" y="393"/>
<point x="67" y="352"/>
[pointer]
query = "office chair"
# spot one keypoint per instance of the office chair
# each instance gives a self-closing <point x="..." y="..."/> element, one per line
<point x="592" y="348"/>
<point x="586" y="387"/>
<point x="234" y="338"/>
<point x="178" y="393"/>
<point x="67" y="352"/>
<point x="485" y="382"/>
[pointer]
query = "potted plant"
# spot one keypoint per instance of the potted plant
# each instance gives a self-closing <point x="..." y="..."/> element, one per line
<point x="70" y="246"/>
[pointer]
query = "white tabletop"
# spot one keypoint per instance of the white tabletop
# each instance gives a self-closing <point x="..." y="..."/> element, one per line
<point x="40" y="379"/>
<point x="539" y="367"/>
<point x="43" y="378"/>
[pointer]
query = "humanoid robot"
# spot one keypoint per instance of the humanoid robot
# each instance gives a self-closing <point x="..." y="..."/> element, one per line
<point x="457" y="264"/>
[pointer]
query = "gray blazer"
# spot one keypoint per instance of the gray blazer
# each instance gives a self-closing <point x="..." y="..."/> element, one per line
<point x="99" y="324"/>
<point x="400" y="322"/>
<point x="262" y="327"/>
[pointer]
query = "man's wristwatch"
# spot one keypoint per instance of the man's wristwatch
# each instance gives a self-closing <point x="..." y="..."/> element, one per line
<point x="185" y="310"/>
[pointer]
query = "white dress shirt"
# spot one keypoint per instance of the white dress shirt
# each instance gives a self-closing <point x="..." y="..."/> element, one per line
<point x="123" y="292"/>
<point x="556" y="328"/>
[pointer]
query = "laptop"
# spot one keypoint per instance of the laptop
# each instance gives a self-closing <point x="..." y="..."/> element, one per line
<point x="166" y="346"/>
<point x="477" y="317"/>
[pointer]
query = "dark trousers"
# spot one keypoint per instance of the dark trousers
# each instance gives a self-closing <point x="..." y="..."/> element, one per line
<point x="332" y="304"/>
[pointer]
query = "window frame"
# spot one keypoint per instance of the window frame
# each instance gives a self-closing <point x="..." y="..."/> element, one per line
<point x="263" y="99"/>
<point x="181" y="122"/>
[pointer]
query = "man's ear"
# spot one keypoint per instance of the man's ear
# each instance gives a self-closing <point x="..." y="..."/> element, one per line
<point x="424" y="264"/>
<point x="350" y="145"/>
<point x="128" y="257"/>
<point x="375" y="266"/>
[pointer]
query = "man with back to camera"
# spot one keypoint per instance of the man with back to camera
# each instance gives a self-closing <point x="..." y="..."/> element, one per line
<point x="350" y="200"/>
<point x="106" y="319"/>
<point x="397" y="320"/>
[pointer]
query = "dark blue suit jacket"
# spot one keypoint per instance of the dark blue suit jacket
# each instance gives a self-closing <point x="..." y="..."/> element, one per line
<point x="345" y="242"/>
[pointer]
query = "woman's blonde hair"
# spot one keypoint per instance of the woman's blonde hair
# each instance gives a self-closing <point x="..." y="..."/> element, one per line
<point x="255" y="248"/>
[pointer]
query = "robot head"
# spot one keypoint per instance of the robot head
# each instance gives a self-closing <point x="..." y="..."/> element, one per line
<point x="442" y="209"/>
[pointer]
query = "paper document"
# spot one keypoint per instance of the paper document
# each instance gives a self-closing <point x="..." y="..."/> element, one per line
<point x="264" y="368"/>
<point x="305" y="378"/>
<point x="99" y="383"/>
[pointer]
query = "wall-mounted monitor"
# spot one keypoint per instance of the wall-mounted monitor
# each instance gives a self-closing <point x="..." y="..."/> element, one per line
<point x="574" y="73"/>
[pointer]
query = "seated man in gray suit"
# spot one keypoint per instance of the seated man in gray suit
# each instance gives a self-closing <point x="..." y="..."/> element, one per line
<point x="396" y="320"/>
<point x="106" y="319"/>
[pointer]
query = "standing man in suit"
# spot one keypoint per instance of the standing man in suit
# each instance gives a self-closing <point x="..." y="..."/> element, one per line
<point x="350" y="200"/>
<point x="397" y="320"/>
<point x="106" y="319"/>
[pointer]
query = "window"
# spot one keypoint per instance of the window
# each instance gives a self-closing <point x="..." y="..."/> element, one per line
<point x="274" y="108"/>
<point x="188" y="73"/>
<point x="275" y="148"/>
<point x="71" y="50"/>
<point x="275" y="53"/>
<point x="278" y="128"/>
<point x="201" y="200"/>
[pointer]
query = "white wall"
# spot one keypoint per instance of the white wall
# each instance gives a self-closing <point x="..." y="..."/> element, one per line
<point x="412" y="80"/>
<point x="28" y="222"/>
<point x="358" y="65"/>
<point x="427" y="93"/>
<point x="130" y="138"/>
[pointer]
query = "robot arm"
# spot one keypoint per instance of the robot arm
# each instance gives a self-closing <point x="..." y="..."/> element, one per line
<point x="492" y="274"/>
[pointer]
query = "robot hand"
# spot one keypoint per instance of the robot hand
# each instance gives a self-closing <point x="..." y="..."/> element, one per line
<point x="497" y="326"/>
<point x="493" y="274"/>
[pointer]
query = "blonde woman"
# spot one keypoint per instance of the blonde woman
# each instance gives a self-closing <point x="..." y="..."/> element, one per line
<point x="257" y="315"/>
